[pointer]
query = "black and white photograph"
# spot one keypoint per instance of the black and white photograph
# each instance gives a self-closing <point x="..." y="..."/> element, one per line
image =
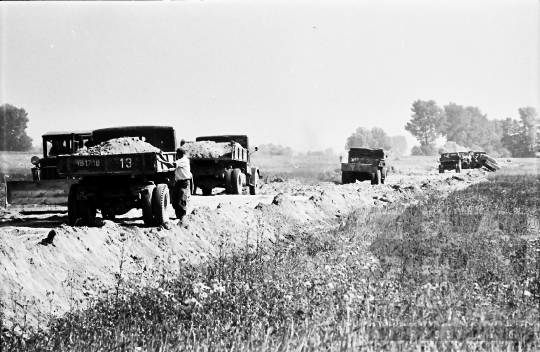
<point x="270" y="176"/>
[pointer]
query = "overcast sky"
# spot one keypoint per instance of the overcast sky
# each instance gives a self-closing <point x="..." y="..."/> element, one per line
<point x="300" y="74"/>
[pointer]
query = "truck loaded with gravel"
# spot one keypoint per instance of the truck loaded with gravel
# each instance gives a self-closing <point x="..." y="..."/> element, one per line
<point x="47" y="189"/>
<point x="450" y="161"/>
<point x="222" y="161"/>
<point x="365" y="164"/>
<point x="120" y="172"/>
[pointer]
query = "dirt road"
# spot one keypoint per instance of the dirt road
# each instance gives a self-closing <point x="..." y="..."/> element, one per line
<point x="50" y="267"/>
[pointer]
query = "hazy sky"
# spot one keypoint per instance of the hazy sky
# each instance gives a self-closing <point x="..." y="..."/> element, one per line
<point x="300" y="74"/>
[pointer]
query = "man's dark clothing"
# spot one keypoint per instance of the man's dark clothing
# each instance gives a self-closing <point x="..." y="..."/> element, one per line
<point x="180" y="194"/>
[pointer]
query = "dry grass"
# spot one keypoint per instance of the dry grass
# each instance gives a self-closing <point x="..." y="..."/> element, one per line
<point x="393" y="278"/>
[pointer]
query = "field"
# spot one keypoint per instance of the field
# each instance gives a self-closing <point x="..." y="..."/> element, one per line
<point x="431" y="270"/>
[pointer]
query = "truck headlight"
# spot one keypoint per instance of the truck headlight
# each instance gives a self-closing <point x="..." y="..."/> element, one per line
<point x="35" y="160"/>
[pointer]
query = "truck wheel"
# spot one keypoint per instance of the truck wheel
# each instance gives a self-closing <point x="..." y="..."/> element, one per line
<point x="146" y="205"/>
<point x="441" y="170"/>
<point x="107" y="216"/>
<point x="87" y="211"/>
<point x="345" y="177"/>
<point x="236" y="181"/>
<point x="376" y="178"/>
<point x="383" y="176"/>
<point x="253" y="189"/>
<point x="206" y="191"/>
<point x="73" y="212"/>
<point x="160" y="203"/>
<point x="228" y="176"/>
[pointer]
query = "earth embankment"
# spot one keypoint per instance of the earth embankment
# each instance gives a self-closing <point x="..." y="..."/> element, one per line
<point x="47" y="265"/>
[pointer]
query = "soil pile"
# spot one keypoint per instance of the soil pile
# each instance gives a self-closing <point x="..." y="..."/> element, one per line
<point x="124" y="145"/>
<point x="208" y="149"/>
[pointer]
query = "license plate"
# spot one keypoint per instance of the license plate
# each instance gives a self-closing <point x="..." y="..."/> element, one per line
<point x="87" y="162"/>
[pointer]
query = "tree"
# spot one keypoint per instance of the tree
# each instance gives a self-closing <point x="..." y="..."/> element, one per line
<point x="399" y="145"/>
<point x="424" y="150"/>
<point x="530" y="131"/>
<point x="426" y="121"/>
<point x="329" y="151"/>
<point x="13" y="135"/>
<point x="364" y="138"/>
<point x="522" y="137"/>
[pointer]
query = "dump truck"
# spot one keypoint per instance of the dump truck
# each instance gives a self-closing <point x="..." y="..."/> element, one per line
<point x="450" y="161"/>
<point x="475" y="162"/>
<point x="48" y="190"/>
<point x="481" y="159"/>
<point x="365" y="164"/>
<point x="120" y="172"/>
<point x="222" y="161"/>
<point x="466" y="160"/>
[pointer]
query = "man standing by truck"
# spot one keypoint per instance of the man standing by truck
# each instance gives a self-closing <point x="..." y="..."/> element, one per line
<point x="183" y="182"/>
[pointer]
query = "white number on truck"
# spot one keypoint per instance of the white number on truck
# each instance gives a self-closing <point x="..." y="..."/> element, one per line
<point x="125" y="163"/>
<point x="87" y="162"/>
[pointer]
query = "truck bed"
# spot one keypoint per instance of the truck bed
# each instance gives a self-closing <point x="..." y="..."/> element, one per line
<point x="115" y="164"/>
<point x="238" y="153"/>
<point x="361" y="164"/>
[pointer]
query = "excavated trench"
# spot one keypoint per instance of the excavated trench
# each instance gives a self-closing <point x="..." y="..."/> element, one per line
<point x="47" y="264"/>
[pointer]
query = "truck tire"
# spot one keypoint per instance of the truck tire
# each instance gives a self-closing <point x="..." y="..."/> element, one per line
<point x="228" y="185"/>
<point x="345" y="178"/>
<point x="253" y="189"/>
<point x="206" y="191"/>
<point x="87" y="211"/>
<point x="146" y="205"/>
<point x="107" y="216"/>
<point x="236" y="181"/>
<point x="376" y="178"/>
<point x="441" y="170"/>
<point x="160" y="203"/>
<point x="383" y="176"/>
<point x="73" y="212"/>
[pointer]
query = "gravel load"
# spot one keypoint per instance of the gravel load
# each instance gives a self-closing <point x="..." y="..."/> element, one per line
<point x="208" y="149"/>
<point x="123" y="145"/>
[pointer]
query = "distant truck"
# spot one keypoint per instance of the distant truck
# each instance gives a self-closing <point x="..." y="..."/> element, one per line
<point x="228" y="166"/>
<point x="466" y="160"/>
<point x="48" y="188"/>
<point x="450" y="161"/>
<point x="481" y="159"/>
<point x="117" y="183"/>
<point x="476" y="163"/>
<point x="365" y="164"/>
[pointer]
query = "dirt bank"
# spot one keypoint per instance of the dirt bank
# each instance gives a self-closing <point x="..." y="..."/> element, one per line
<point x="48" y="266"/>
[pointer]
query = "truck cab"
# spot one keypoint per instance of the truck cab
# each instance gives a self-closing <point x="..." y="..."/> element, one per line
<point x="48" y="190"/>
<point x="54" y="144"/>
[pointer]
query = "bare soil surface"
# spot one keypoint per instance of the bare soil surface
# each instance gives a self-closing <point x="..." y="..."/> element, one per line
<point x="123" y="145"/>
<point x="48" y="266"/>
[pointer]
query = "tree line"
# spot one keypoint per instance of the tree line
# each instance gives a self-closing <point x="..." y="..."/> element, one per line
<point x="468" y="127"/>
<point x="13" y="123"/>
<point x="376" y="138"/>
